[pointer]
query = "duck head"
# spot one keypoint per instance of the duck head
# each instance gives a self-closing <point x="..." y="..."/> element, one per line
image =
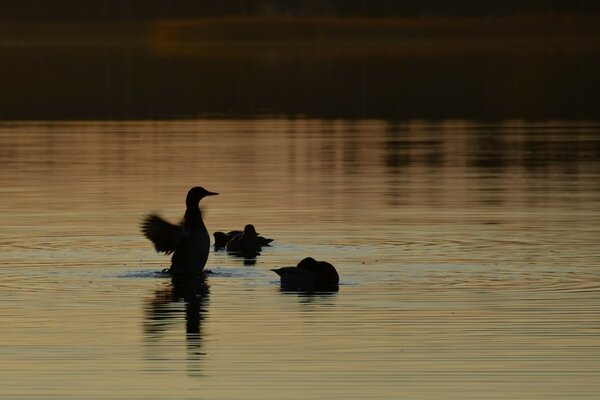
<point x="250" y="231"/>
<point x="196" y="194"/>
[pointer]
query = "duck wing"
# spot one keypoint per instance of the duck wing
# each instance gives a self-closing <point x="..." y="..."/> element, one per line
<point x="164" y="235"/>
<point x="235" y="243"/>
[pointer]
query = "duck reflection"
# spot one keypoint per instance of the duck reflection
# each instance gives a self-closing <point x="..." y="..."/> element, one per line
<point x="172" y="302"/>
<point x="307" y="296"/>
<point x="249" y="258"/>
<point x="309" y="302"/>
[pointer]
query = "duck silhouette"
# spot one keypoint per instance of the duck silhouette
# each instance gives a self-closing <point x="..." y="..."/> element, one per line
<point x="310" y="275"/>
<point x="222" y="238"/>
<point x="189" y="241"/>
<point x="245" y="242"/>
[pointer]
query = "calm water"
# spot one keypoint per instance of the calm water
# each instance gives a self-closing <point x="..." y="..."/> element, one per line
<point x="468" y="256"/>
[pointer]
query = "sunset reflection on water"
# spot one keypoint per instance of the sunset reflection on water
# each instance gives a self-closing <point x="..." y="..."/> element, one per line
<point x="466" y="252"/>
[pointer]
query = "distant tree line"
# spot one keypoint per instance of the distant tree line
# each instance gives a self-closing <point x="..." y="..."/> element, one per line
<point x="153" y="9"/>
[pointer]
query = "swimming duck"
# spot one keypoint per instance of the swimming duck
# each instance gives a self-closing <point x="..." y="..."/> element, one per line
<point x="245" y="242"/>
<point x="310" y="275"/>
<point x="189" y="241"/>
<point x="221" y="238"/>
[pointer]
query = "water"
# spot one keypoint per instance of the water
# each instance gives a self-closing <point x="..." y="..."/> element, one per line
<point x="468" y="256"/>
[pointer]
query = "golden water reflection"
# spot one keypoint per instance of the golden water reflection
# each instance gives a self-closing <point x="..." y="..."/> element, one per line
<point x="467" y="254"/>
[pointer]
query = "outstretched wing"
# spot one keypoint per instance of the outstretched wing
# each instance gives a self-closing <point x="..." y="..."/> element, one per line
<point x="163" y="234"/>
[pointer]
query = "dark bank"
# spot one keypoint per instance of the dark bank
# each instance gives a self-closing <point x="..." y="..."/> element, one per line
<point x="296" y="59"/>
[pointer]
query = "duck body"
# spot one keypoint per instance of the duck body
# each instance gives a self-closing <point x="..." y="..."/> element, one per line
<point x="189" y="242"/>
<point x="222" y="238"/>
<point x="245" y="242"/>
<point x="310" y="275"/>
<point x="191" y="254"/>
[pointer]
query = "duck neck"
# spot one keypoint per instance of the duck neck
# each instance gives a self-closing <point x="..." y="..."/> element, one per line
<point x="193" y="219"/>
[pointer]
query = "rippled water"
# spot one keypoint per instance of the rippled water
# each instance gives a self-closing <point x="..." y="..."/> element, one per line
<point x="468" y="256"/>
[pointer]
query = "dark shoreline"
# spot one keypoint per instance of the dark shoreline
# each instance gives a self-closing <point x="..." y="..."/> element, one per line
<point x="132" y="72"/>
<point x="435" y="33"/>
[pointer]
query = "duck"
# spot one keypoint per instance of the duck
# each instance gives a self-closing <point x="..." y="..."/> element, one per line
<point x="221" y="238"/>
<point x="188" y="242"/>
<point x="309" y="275"/>
<point x="245" y="242"/>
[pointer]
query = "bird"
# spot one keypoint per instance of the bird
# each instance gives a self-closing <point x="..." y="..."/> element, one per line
<point x="189" y="241"/>
<point x="221" y="238"/>
<point x="245" y="242"/>
<point x="309" y="275"/>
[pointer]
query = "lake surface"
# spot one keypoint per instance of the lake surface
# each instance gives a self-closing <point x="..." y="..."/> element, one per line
<point x="468" y="254"/>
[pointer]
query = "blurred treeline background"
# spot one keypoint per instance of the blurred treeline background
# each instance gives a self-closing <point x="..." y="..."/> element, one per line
<point x="153" y="9"/>
<point x="391" y="59"/>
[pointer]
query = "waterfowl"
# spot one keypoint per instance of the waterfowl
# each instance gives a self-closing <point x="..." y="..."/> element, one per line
<point x="221" y="238"/>
<point x="310" y="275"/>
<point x="189" y="241"/>
<point x="245" y="242"/>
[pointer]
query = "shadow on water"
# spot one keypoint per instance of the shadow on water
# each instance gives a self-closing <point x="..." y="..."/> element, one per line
<point x="249" y="258"/>
<point x="310" y="293"/>
<point x="165" y="309"/>
<point x="307" y="297"/>
<point x="418" y="155"/>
